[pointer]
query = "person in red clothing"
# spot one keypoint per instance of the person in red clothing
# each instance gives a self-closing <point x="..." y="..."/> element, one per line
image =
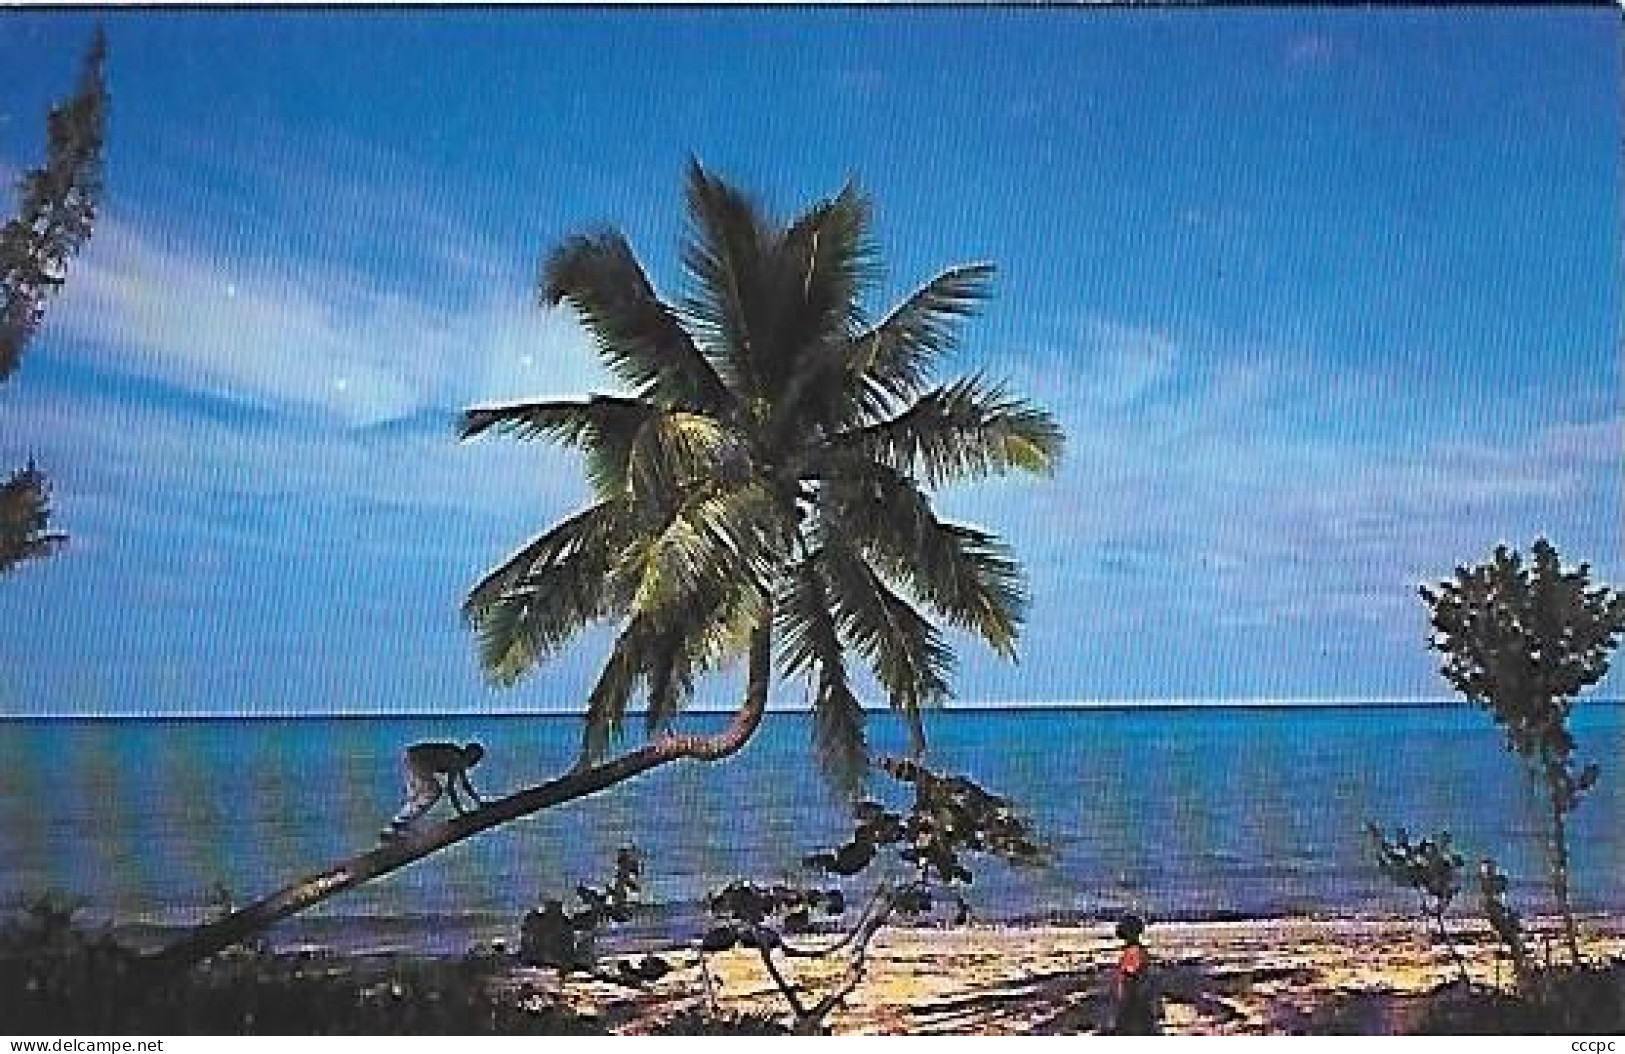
<point x="1136" y="1003"/>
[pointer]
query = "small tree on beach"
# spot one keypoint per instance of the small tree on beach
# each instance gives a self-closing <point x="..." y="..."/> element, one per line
<point x="761" y="491"/>
<point x="950" y="823"/>
<point x="567" y="941"/>
<point x="1430" y="867"/>
<point x="1504" y="921"/>
<point x="56" y="210"/>
<point x="1523" y="640"/>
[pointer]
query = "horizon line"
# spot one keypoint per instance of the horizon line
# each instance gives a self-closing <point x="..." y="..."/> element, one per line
<point x="1171" y="703"/>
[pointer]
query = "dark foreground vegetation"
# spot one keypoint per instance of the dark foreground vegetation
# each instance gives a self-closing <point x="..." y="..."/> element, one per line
<point x="56" y="975"/>
<point x="1570" y="1000"/>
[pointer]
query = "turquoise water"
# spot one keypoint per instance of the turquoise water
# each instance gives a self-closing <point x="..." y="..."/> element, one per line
<point x="1200" y="812"/>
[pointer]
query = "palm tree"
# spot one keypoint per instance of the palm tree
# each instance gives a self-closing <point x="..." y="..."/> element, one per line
<point x="765" y="479"/>
<point x="763" y="482"/>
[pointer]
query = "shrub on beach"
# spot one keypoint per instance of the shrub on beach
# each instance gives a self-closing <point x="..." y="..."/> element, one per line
<point x="567" y="941"/>
<point x="1428" y="866"/>
<point x="928" y="850"/>
<point x="700" y="1022"/>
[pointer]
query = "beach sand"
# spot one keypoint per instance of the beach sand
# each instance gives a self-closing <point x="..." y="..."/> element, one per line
<point x="1254" y="977"/>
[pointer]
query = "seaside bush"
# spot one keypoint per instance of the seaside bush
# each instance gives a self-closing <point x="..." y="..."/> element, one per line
<point x="1588" y="999"/>
<point x="950" y="822"/>
<point x="1573" y="999"/>
<point x="1523" y="640"/>
<point x="568" y="940"/>
<point x="694" y="1021"/>
<point x="1431" y="868"/>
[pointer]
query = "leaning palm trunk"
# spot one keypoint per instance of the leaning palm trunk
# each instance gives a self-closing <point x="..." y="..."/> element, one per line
<point x="220" y="934"/>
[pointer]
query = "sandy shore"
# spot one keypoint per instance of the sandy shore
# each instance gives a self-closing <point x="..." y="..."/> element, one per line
<point x="1257" y="977"/>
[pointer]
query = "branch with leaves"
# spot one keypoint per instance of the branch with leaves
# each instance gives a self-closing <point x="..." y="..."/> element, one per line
<point x="928" y="850"/>
<point x="1505" y="922"/>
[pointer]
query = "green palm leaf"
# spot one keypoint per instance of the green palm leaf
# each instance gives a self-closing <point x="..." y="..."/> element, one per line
<point x="891" y="361"/>
<point x="967" y="575"/>
<point x="831" y="261"/>
<point x="719" y="542"/>
<point x="606" y="705"/>
<point x="826" y="261"/>
<point x="674" y="453"/>
<point x="725" y="257"/>
<point x="812" y="646"/>
<point x="637" y="336"/>
<point x="907" y="653"/>
<point x="969" y="429"/>
<point x="534" y="601"/>
<point x="590" y="531"/>
<point x="670" y="675"/>
<point x="604" y="427"/>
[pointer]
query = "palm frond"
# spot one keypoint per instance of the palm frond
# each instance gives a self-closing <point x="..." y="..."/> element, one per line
<point x="723" y="254"/>
<point x="721" y="633"/>
<point x="969" y="429"/>
<point x="967" y="575"/>
<point x="524" y="627"/>
<point x="812" y="645"/>
<point x="840" y="742"/>
<point x="532" y="603"/>
<point x="822" y="267"/>
<point x="891" y="361"/>
<point x="673" y="565"/>
<point x="590" y="532"/>
<point x="639" y="338"/>
<point x="824" y="264"/>
<point x="606" y="705"/>
<point x="674" y="452"/>
<point x="670" y="677"/>
<point x="665" y="660"/>
<point x="831" y="260"/>
<point x="907" y="653"/>
<point x="604" y="427"/>
<point x="719" y="541"/>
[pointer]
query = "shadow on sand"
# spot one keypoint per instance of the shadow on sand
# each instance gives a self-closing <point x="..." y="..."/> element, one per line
<point x="1074" y="1002"/>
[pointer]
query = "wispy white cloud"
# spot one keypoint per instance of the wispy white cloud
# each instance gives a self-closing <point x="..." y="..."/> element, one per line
<point x="297" y="335"/>
<point x="1217" y="488"/>
<point x="1128" y="362"/>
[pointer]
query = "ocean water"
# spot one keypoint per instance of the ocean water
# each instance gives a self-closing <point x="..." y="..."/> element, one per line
<point x="1179" y="813"/>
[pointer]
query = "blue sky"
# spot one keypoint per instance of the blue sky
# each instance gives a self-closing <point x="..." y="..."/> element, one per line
<point x="1327" y="302"/>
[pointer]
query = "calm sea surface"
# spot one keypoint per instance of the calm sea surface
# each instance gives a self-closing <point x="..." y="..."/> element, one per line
<point x="1180" y="813"/>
